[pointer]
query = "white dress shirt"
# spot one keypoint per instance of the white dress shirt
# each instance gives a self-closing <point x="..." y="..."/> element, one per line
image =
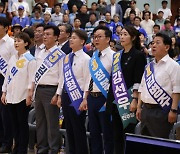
<point x="54" y="73"/>
<point x="38" y="49"/>
<point x="7" y="47"/>
<point x="148" y="26"/>
<point x="113" y="10"/>
<point x="167" y="75"/>
<point x="61" y="45"/>
<point x="167" y="12"/>
<point x="57" y="18"/>
<point x="106" y="59"/>
<point x="17" y="90"/>
<point x="80" y="68"/>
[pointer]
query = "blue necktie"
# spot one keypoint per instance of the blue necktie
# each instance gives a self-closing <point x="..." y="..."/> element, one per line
<point x="72" y="57"/>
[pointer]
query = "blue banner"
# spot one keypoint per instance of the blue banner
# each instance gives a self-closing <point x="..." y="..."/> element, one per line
<point x="99" y="74"/>
<point x="72" y="87"/>
<point x="19" y="64"/>
<point x="159" y="95"/>
<point x="3" y="66"/>
<point x="123" y="97"/>
<point x="48" y="62"/>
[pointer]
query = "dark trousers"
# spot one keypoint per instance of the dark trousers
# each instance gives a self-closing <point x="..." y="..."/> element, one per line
<point x="154" y="122"/>
<point x="6" y="138"/>
<point x="99" y="122"/>
<point x="75" y="127"/>
<point x="19" y="115"/>
<point x="47" y="121"/>
<point x="119" y="131"/>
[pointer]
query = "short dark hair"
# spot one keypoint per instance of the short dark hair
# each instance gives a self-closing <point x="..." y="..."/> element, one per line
<point x="81" y="34"/>
<point x="92" y="13"/>
<point x="137" y="17"/>
<point x="25" y="37"/>
<point x="93" y="3"/>
<point x="107" y="31"/>
<point x="164" y="2"/>
<point x="77" y="18"/>
<point x="133" y="1"/>
<point x="167" y="22"/>
<point x="4" y="22"/>
<point x="57" y="4"/>
<point x="108" y="12"/>
<point x="132" y="12"/>
<point x="40" y="25"/>
<point x="68" y="28"/>
<point x="146" y="4"/>
<point x="54" y="28"/>
<point x="147" y="12"/>
<point x="166" y="39"/>
<point x="157" y="26"/>
<point x="134" y="34"/>
<point x="29" y="31"/>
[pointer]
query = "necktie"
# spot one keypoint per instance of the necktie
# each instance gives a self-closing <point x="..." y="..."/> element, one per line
<point x="91" y="81"/>
<point x="71" y="57"/>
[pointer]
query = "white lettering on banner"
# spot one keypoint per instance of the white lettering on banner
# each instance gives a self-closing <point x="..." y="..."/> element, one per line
<point x="157" y="92"/>
<point x="99" y="75"/>
<point x="75" y="94"/>
<point x="128" y="116"/>
<point x="164" y="100"/>
<point x="14" y="70"/>
<point x="117" y="77"/>
<point x="105" y="84"/>
<point x="71" y="85"/>
<point x="150" y="81"/>
<point x="40" y="72"/>
<point x="2" y="64"/>
<point x="68" y="75"/>
<point x="48" y="63"/>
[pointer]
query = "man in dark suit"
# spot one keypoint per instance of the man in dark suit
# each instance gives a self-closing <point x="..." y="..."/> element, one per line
<point x="38" y="38"/>
<point x="114" y="8"/>
<point x="65" y="33"/>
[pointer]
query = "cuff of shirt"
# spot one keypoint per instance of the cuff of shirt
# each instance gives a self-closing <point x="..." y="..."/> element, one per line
<point x="4" y="89"/>
<point x="59" y="91"/>
<point x="176" y="89"/>
<point x="136" y="86"/>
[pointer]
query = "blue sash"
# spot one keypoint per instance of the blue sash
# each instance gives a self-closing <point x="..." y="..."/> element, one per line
<point x="3" y="66"/>
<point x="123" y="97"/>
<point x="52" y="58"/>
<point x="22" y="62"/>
<point x="72" y="87"/>
<point x="99" y="74"/>
<point x="155" y="90"/>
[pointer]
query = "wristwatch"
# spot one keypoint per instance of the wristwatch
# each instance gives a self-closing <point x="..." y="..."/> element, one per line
<point x="174" y="110"/>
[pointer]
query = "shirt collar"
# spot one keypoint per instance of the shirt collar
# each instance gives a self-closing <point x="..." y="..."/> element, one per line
<point x="42" y="46"/>
<point x="52" y="48"/>
<point x="5" y="37"/>
<point x="105" y="51"/>
<point x="164" y="59"/>
<point x="78" y="53"/>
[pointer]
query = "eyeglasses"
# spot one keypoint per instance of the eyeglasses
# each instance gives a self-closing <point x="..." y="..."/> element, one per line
<point x="97" y="37"/>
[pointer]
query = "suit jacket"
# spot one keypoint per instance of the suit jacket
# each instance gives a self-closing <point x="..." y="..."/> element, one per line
<point x="118" y="10"/>
<point x="66" y="48"/>
<point x="32" y="50"/>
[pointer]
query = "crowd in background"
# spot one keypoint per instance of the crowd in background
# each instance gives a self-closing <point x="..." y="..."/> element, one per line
<point x="31" y="17"/>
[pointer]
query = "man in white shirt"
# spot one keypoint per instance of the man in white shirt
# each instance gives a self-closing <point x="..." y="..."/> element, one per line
<point x="132" y="7"/>
<point x="99" y="120"/>
<point x="57" y="17"/>
<point x="6" y="51"/>
<point x="16" y="5"/>
<point x="148" y="24"/>
<point x="63" y="39"/>
<point x="38" y="38"/>
<point x="156" y="120"/>
<point x="47" y="112"/>
<point x="167" y="11"/>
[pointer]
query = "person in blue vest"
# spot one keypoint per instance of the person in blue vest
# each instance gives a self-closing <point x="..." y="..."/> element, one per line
<point x="100" y="69"/>
<point x="110" y="24"/>
<point x="159" y="91"/>
<point x="73" y="92"/>
<point x="127" y="71"/>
